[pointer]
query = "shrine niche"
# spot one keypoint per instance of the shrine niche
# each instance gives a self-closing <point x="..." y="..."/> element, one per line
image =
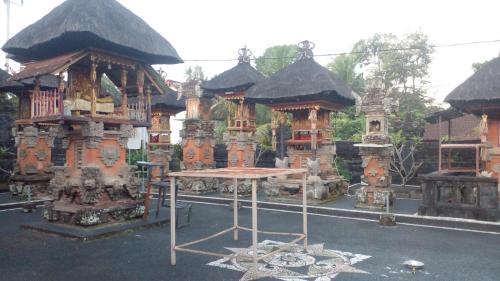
<point x="375" y="151"/>
<point x="305" y="93"/>
<point x="34" y="143"/>
<point x="232" y="85"/>
<point x="95" y="185"/>
<point x="198" y="138"/>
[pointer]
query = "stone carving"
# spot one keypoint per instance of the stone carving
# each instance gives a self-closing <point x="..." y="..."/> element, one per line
<point x="93" y="132"/>
<point x="109" y="155"/>
<point x="30" y="136"/>
<point x="41" y="155"/>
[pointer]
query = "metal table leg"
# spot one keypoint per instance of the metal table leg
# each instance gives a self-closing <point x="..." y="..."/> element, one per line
<point x="254" y="221"/>
<point x="235" y="209"/>
<point x="304" y="207"/>
<point x="172" y="221"/>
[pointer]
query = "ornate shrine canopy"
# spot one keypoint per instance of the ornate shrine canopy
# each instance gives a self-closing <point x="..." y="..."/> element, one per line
<point x="79" y="24"/>
<point x="303" y="81"/>
<point x="108" y="63"/>
<point x="480" y="92"/>
<point x="239" y="78"/>
<point x="47" y="82"/>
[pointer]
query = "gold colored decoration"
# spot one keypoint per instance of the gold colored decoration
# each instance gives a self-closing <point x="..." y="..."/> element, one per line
<point x="123" y="79"/>
<point x="93" y="98"/>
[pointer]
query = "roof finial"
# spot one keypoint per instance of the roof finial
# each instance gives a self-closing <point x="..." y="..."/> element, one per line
<point x="304" y="49"/>
<point x="245" y="54"/>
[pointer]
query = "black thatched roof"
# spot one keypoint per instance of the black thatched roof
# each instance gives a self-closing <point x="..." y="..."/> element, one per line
<point x="483" y="87"/>
<point x="303" y="80"/>
<point x="47" y="82"/>
<point x="102" y="24"/>
<point x="239" y="78"/>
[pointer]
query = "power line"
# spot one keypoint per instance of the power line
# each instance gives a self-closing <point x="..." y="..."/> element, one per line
<point x="358" y="52"/>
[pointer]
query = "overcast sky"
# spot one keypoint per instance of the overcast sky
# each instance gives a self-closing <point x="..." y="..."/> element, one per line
<point x="217" y="29"/>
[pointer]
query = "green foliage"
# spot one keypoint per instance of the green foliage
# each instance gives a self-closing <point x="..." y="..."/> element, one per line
<point x="109" y="87"/>
<point x="402" y="65"/>
<point x="262" y="114"/>
<point x="219" y="130"/>
<point x="135" y="155"/>
<point x="347" y="126"/>
<point x="263" y="135"/>
<point x="175" y="163"/>
<point x="346" y="67"/>
<point x="5" y="152"/>
<point x="275" y="58"/>
<point x="342" y="168"/>
<point x="194" y="73"/>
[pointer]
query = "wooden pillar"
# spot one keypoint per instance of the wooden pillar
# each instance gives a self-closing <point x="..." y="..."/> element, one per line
<point x="148" y="106"/>
<point x="274" y="126"/>
<point x="313" y="118"/>
<point x="123" y="88"/>
<point x="93" y="79"/>
<point x="140" y="92"/>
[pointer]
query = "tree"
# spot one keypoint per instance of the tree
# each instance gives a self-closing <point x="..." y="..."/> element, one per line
<point x="275" y="58"/>
<point x="402" y="64"/>
<point x="345" y="67"/>
<point x="403" y="160"/>
<point x="194" y="73"/>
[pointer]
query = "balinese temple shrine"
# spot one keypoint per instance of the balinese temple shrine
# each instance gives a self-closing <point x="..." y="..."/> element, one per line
<point x="375" y="150"/>
<point x="232" y="86"/>
<point x="308" y="93"/>
<point x="198" y="138"/>
<point x="164" y="105"/>
<point x="470" y="192"/>
<point x="32" y="170"/>
<point x="98" y="37"/>
<point x="480" y="95"/>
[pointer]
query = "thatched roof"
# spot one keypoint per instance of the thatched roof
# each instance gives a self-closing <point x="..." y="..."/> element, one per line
<point x="483" y="87"/>
<point x="47" y="82"/>
<point x="239" y="78"/>
<point x="303" y="80"/>
<point x="80" y="24"/>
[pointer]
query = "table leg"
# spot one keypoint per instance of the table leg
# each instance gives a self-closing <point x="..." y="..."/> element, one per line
<point x="235" y="209"/>
<point x="172" y="221"/>
<point x="254" y="221"/>
<point x="304" y="207"/>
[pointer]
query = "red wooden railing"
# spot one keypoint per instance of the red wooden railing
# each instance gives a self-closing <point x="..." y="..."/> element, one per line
<point x="47" y="103"/>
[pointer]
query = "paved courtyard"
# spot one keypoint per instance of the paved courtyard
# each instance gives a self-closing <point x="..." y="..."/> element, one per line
<point x="377" y="253"/>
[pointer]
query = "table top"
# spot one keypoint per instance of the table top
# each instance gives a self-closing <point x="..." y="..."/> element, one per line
<point x="238" y="173"/>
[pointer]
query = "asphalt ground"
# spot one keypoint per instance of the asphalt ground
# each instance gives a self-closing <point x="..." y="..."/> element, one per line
<point x="144" y="254"/>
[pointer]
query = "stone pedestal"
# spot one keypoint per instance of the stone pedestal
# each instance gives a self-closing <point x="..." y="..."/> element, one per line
<point x="376" y="175"/>
<point x="96" y="185"/>
<point x="197" y="154"/>
<point x="32" y="171"/>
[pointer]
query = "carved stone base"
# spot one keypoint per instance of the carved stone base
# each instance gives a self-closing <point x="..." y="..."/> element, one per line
<point x="320" y="190"/>
<point x="80" y="215"/>
<point x="197" y="185"/>
<point x="373" y="198"/>
<point x="34" y="186"/>
<point x="244" y="187"/>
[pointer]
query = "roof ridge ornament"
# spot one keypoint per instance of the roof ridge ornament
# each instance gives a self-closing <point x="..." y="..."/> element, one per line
<point x="245" y="54"/>
<point x="304" y="49"/>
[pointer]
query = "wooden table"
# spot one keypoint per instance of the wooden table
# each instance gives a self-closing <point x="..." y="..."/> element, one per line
<point x="235" y="174"/>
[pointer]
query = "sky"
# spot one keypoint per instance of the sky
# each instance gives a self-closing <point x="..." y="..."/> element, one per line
<point x="217" y="29"/>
